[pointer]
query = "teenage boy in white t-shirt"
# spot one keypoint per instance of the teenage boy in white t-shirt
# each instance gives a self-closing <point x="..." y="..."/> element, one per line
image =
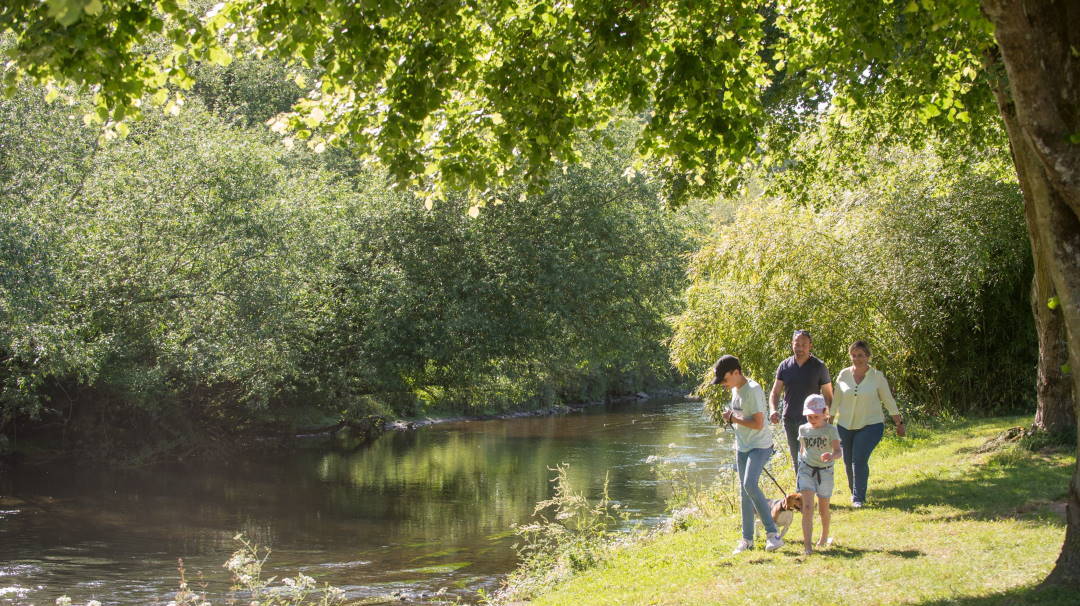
<point x="748" y="415"/>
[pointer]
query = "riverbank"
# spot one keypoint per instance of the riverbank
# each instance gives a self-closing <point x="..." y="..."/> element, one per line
<point x="418" y="422"/>
<point x="946" y="524"/>
<point x="199" y="440"/>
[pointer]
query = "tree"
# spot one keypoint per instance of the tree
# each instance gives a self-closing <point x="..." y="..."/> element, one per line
<point x="928" y="260"/>
<point x="465" y="96"/>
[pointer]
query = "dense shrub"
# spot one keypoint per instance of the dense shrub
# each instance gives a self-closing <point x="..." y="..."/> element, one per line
<point x="199" y="274"/>
<point x="928" y="262"/>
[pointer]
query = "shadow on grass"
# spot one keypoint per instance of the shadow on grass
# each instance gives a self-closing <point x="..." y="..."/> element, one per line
<point x="1040" y="596"/>
<point x="851" y="553"/>
<point x="842" y="551"/>
<point x="989" y="492"/>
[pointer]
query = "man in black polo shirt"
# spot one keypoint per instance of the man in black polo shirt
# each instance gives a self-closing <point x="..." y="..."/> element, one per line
<point x="797" y="377"/>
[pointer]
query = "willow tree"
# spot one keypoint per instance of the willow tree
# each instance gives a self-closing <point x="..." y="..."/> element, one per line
<point x="470" y="95"/>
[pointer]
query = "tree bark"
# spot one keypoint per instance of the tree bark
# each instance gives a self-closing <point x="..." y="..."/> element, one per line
<point x="1036" y="39"/>
<point x="1054" y="411"/>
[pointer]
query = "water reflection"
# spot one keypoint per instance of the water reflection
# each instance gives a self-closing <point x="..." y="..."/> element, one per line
<point x="410" y="513"/>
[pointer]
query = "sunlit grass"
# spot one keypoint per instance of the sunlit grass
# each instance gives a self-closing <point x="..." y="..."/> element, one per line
<point x="945" y="525"/>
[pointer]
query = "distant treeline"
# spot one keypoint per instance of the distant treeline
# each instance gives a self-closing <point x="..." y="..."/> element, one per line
<point x="198" y="276"/>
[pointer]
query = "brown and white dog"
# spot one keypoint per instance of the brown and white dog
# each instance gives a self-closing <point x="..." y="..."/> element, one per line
<point x="783" y="511"/>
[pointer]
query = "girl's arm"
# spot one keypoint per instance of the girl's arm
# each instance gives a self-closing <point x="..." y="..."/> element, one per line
<point x="835" y="454"/>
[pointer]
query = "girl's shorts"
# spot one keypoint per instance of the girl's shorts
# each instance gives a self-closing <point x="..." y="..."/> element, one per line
<point x="818" y="480"/>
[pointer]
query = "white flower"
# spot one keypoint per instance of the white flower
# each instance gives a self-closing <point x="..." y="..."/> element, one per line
<point x="93" y="603"/>
<point x="63" y="601"/>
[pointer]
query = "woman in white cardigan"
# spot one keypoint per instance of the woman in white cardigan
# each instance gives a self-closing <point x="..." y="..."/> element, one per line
<point x="857" y="400"/>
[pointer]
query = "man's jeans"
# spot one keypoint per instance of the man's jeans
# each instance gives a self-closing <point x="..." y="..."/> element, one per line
<point x="791" y="428"/>
<point x="858" y="444"/>
<point x="750" y="464"/>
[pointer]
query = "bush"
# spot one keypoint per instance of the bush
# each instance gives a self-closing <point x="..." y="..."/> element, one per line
<point x="928" y="263"/>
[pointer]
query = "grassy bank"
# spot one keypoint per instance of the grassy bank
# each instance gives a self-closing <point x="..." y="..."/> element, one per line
<point x="946" y="524"/>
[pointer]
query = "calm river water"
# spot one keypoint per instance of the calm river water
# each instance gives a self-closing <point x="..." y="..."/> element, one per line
<point x="406" y="515"/>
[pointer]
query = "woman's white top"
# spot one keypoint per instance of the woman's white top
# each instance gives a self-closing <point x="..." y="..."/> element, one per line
<point x="857" y="405"/>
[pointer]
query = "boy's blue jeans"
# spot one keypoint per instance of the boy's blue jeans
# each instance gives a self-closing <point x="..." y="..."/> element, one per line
<point x="750" y="464"/>
<point x="858" y="444"/>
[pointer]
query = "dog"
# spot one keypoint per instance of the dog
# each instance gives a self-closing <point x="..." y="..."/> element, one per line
<point x="783" y="511"/>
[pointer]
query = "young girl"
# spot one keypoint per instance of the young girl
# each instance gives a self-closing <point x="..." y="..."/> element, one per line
<point x="819" y="447"/>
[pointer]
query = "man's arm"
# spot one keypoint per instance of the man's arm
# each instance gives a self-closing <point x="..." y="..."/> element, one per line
<point x="774" y="399"/>
<point x="826" y="390"/>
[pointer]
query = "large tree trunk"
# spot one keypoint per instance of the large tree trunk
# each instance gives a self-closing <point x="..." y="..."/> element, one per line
<point x="1037" y="39"/>
<point x="1054" y="412"/>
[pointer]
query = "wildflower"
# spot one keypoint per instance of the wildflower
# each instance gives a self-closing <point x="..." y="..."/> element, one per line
<point x="63" y="601"/>
<point x="93" y="603"/>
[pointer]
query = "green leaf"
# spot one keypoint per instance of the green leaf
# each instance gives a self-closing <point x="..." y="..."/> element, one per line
<point x="1053" y="302"/>
<point x="220" y="56"/>
<point x="929" y="111"/>
<point x="66" y="12"/>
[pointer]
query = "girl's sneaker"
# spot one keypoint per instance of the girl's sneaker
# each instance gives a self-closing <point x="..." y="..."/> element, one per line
<point x="773" y="542"/>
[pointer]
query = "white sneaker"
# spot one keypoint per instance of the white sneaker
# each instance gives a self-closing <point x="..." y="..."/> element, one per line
<point x="773" y="542"/>
<point x="742" y="546"/>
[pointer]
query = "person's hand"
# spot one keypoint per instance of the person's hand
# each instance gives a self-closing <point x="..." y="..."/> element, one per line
<point x="774" y="416"/>
<point x="726" y="415"/>
<point x="826" y="457"/>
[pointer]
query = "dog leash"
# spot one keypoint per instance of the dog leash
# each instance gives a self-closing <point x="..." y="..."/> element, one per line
<point x="783" y="492"/>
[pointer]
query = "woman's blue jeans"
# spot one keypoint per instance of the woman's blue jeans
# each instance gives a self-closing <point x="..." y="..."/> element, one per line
<point x="750" y="464"/>
<point x="858" y="444"/>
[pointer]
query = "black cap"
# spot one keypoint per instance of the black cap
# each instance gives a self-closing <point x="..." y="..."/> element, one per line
<point x="723" y="366"/>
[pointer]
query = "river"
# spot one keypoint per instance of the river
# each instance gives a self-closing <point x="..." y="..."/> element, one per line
<point x="402" y="517"/>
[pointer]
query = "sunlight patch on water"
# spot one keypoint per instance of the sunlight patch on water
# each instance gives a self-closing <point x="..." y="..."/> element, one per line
<point x="339" y="565"/>
<point x="14" y="591"/>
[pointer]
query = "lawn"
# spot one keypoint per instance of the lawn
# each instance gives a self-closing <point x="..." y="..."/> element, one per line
<point x="945" y="524"/>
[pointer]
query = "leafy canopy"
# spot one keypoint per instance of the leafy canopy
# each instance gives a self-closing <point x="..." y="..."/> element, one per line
<point x="471" y="95"/>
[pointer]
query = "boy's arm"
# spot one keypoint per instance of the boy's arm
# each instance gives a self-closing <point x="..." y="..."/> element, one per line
<point x="756" y="421"/>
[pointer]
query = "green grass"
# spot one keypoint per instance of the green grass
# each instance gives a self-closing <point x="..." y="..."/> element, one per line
<point x="945" y="525"/>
